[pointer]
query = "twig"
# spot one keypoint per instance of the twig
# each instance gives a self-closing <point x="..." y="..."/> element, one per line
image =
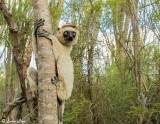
<point x="11" y="106"/>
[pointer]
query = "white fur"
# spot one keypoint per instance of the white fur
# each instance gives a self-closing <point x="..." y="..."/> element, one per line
<point x="64" y="68"/>
<point x="62" y="51"/>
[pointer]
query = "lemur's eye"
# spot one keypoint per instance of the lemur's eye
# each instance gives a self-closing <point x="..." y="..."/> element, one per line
<point x="74" y="34"/>
<point x="65" y="33"/>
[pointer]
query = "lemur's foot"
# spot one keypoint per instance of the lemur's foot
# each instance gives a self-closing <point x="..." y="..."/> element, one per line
<point x="55" y="80"/>
<point x="38" y="23"/>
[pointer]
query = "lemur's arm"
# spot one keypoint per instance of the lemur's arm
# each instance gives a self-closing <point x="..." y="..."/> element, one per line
<point x="46" y="34"/>
<point x="37" y="24"/>
<point x="43" y="33"/>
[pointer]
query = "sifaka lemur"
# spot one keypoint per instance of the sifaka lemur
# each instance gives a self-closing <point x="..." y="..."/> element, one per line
<point x="62" y="44"/>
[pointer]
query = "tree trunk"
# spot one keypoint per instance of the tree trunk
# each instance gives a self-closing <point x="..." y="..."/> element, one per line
<point x="47" y="99"/>
<point x="118" y="23"/>
<point x="136" y="42"/>
<point x="120" y="20"/>
<point x="93" y="21"/>
<point x="137" y="47"/>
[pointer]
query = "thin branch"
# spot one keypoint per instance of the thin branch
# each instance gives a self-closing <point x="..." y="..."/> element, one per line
<point x="11" y="106"/>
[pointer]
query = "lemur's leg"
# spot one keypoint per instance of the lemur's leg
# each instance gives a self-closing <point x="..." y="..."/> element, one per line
<point x="55" y="80"/>
<point x="61" y="91"/>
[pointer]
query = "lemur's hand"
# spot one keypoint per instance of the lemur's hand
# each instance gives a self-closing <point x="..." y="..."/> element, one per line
<point x="45" y="34"/>
<point x="38" y="23"/>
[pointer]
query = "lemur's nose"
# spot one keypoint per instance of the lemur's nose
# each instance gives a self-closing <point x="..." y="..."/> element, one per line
<point x="70" y="36"/>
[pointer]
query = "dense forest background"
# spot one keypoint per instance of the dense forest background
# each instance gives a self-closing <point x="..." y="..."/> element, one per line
<point x="116" y="59"/>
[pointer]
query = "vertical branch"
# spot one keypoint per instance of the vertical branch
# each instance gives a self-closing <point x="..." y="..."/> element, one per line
<point x="136" y="42"/>
<point x="93" y="21"/>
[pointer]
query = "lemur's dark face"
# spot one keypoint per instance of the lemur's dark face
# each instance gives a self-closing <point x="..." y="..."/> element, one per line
<point x="69" y="35"/>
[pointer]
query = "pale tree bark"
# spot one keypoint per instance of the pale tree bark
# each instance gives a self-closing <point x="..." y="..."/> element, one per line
<point x="47" y="98"/>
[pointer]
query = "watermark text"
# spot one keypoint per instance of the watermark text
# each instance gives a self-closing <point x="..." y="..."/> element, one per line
<point x="20" y="121"/>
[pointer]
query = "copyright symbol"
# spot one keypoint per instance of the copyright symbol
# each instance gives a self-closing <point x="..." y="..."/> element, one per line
<point x="3" y="120"/>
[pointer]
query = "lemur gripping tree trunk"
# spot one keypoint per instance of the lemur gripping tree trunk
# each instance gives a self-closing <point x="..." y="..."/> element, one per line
<point x="60" y="47"/>
<point x="62" y="44"/>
